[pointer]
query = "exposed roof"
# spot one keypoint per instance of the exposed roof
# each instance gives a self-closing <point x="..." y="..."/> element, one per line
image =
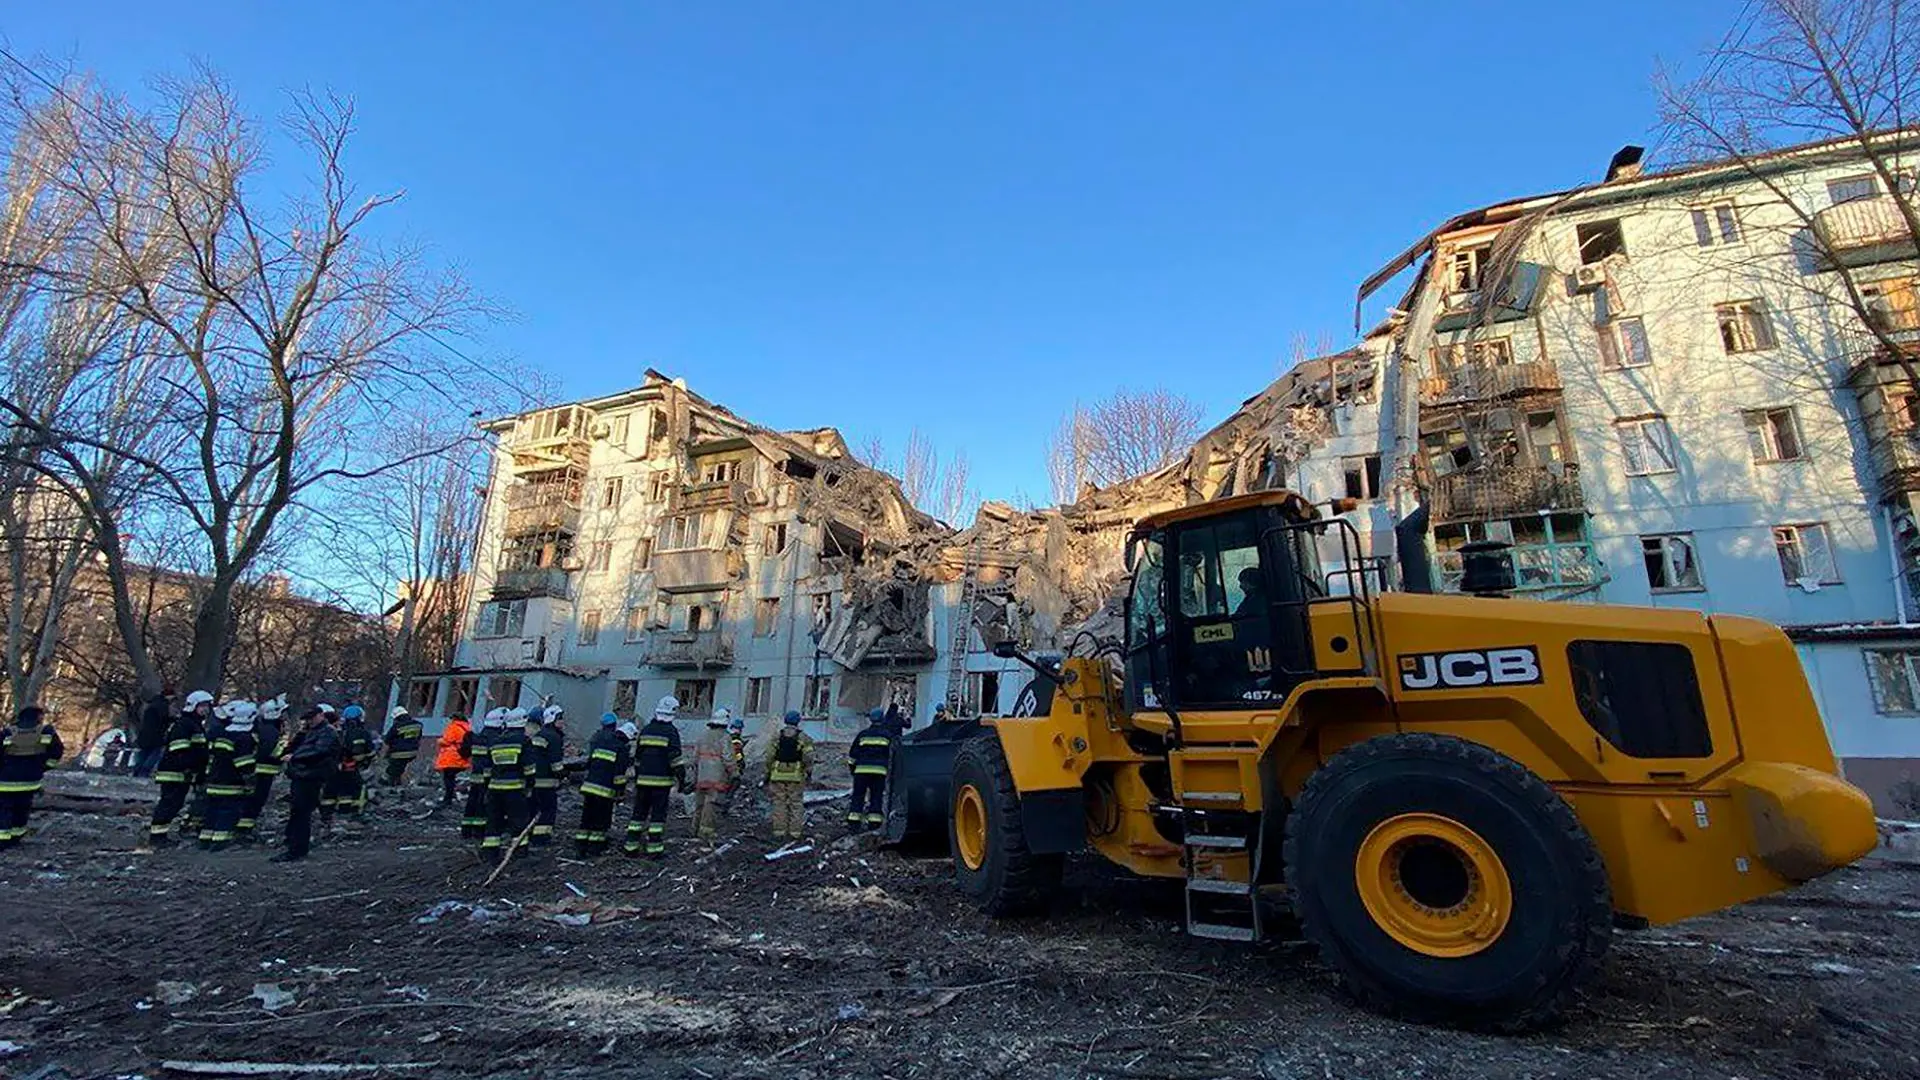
<point x="1217" y="507"/>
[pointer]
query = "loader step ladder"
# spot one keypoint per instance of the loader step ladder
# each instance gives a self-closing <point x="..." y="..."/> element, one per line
<point x="1222" y="863"/>
<point x="961" y="639"/>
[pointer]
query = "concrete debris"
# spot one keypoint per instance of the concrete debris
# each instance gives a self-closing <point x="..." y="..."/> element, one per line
<point x="785" y="850"/>
<point x="574" y="889"/>
<point x="852" y="1010"/>
<point x="277" y="1068"/>
<point x="271" y="997"/>
<point x="840" y="898"/>
<point x="440" y="911"/>
<point x="812" y="797"/>
<point x="8" y="1048"/>
<point x="1833" y="967"/>
<point x="170" y="992"/>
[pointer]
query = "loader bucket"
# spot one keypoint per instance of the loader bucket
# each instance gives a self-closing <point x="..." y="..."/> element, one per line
<point x="921" y="784"/>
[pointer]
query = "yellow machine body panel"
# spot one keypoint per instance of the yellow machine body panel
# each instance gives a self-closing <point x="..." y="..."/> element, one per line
<point x="1740" y="800"/>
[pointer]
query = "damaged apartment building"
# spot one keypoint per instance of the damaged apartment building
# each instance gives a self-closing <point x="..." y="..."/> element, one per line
<point x="1658" y="391"/>
<point x="651" y="543"/>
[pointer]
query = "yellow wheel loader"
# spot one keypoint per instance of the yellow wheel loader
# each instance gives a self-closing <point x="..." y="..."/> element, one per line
<point x="1458" y="795"/>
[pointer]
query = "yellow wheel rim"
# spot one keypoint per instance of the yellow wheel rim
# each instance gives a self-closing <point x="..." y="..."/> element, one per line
<point x="970" y="827"/>
<point x="1433" y="885"/>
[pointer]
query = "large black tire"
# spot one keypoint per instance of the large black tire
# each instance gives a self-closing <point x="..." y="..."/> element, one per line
<point x="1560" y="919"/>
<point x="1011" y="879"/>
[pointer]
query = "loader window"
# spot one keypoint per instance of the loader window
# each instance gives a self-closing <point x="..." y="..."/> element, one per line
<point x="1223" y="643"/>
<point x="1147" y="657"/>
<point x="1643" y="697"/>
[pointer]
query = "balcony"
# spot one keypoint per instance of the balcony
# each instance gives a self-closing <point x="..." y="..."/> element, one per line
<point x="534" y="581"/>
<point x="1864" y="231"/>
<point x="1477" y="382"/>
<point x="553" y="438"/>
<point x="695" y="568"/>
<point x="1505" y="492"/>
<point x="690" y="649"/>
<point x="542" y="512"/>
<point x="720" y="494"/>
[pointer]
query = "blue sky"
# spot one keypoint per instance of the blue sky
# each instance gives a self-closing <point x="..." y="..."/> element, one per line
<point x="960" y="217"/>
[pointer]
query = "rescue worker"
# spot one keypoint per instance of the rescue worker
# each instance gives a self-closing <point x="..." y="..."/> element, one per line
<point x="331" y="717"/>
<point x="150" y="736"/>
<point x="402" y="740"/>
<point x="230" y="761"/>
<point x="313" y="756"/>
<point x="713" y="772"/>
<point x="657" y="767"/>
<point x="507" y="757"/>
<point x="453" y="757"/>
<point x="868" y="756"/>
<point x="197" y="805"/>
<point x="349" y="791"/>
<point x="789" y="767"/>
<point x="26" y="749"/>
<point x="473" y="823"/>
<point x="941" y="715"/>
<point x="737" y="738"/>
<point x="546" y="746"/>
<point x="609" y="757"/>
<point x="266" y="766"/>
<point x="184" y="759"/>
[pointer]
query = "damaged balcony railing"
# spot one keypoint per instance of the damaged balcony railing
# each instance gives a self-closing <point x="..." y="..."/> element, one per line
<point x="690" y="649"/>
<point x="1505" y="491"/>
<point x="530" y="581"/>
<point x="544" y="507"/>
<point x="1863" y="231"/>
<point x="1473" y="382"/>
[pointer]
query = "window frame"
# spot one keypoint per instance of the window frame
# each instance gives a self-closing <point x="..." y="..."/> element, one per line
<point x="599" y="556"/>
<point x="612" y="492"/>
<point x="1826" y="538"/>
<point x="589" y="632"/>
<point x="689" y="693"/>
<point x="501" y="619"/>
<point x="1664" y="542"/>
<point x="1911" y="659"/>
<point x="758" y="699"/>
<point x="1366" y="467"/>
<point x="1871" y="181"/>
<point x="636" y="622"/>
<point x="1596" y="230"/>
<point x="1710" y="223"/>
<point x="1613" y="350"/>
<point x="816" y="696"/>
<point x="1760" y="422"/>
<point x="1753" y="314"/>
<point x="1639" y="425"/>
<point x="766" y="616"/>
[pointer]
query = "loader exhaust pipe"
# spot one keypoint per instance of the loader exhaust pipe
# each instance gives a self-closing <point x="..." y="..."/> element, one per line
<point x="1410" y="547"/>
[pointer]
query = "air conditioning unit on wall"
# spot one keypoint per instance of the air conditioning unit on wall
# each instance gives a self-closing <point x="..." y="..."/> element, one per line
<point x="1587" y="278"/>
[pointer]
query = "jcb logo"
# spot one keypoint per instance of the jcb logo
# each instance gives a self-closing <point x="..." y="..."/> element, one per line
<point x="1517" y="666"/>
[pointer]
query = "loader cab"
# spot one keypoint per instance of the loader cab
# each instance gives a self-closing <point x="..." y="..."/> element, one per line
<point x="1215" y="617"/>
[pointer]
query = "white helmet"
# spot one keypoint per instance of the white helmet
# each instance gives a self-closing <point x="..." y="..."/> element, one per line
<point x="667" y="708"/>
<point x="240" y="715"/>
<point x="325" y="709"/>
<point x="273" y="709"/>
<point x="552" y="714"/>
<point x="721" y="715"/>
<point x="399" y="713"/>
<point x="495" y="718"/>
<point x="198" y="698"/>
<point x="626" y="728"/>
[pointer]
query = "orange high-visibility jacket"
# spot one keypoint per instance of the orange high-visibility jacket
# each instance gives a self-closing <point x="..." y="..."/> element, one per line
<point x="451" y="756"/>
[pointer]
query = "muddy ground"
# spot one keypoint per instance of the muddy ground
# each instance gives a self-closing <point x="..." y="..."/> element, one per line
<point x="843" y="962"/>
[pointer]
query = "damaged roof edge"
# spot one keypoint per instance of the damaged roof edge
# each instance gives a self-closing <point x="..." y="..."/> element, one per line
<point x="1840" y="148"/>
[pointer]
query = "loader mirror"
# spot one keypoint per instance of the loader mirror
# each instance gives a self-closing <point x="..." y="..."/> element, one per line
<point x="1006" y="649"/>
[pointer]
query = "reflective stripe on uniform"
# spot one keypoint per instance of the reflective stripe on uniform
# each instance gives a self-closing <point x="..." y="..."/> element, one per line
<point x="653" y="740"/>
<point x="600" y="790"/>
<point x="874" y="740"/>
<point x="222" y="789"/>
<point x="17" y="787"/>
<point x="869" y="770"/>
<point x="170" y="777"/>
<point x="653" y="781"/>
<point x="604" y="755"/>
<point x="546" y="781"/>
<point x="507" y="785"/>
<point x="180" y="744"/>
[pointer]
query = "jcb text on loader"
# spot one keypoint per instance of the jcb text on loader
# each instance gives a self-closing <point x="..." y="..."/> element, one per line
<point x="1457" y="793"/>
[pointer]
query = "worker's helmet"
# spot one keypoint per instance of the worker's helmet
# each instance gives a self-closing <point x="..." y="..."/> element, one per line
<point x="608" y="719"/>
<point x="326" y="709"/>
<point x="793" y="718"/>
<point x="876" y="715"/>
<point x="667" y="707"/>
<point x="273" y="708"/>
<point x="240" y="715"/>
<point x="352" y="712"/>
<point x="552" y="714"/>
<point x="721" y="717"/>
<point x="29" y="717"/>
<point x="940" y="709"/>
<point x="494" y="718"/>
<point x="197" y="699"/>
<point x="399" y="713"/>
<point x="628" y="729"/>
<point x="738" y="723"/>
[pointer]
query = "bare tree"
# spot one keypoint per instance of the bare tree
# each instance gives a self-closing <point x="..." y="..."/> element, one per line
<point x="937" y="485"/>
<point x="1126" y="434"/>
<point x="278" y="329"/>
<point x="1845" y="72"/>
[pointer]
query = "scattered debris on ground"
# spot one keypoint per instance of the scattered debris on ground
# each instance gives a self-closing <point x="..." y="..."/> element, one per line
<point x="387" y="953"/>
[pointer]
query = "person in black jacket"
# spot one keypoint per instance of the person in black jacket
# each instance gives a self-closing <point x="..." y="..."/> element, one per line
<point x="184" y="759"/>
<point x="546" y="749"/>
<point x="150" y="735"/>
<point x="347" y="795"/>
<point x="869" y="756"/>
<point x="609" y="759"/>
<point x="26" y="749"/>
<point x="230" y="761"/>
<point x="402" y="740"/>
<point x="508" y="757"/>
<point x="479" y="743"/>
<point x="266" y="767"/>
<point x="312" y="759"/>
<point x="658" y="765"/>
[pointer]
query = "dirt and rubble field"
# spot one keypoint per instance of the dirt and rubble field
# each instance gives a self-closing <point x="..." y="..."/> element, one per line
<point x="845" y="961"/>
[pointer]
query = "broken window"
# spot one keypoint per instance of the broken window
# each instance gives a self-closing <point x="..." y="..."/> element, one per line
<point x="1671" y="565"/>
<point x="1493" y="352"/>
<point x="642" y="553"/>
<point x="983" y="693"/>
<point x="1744" y="326"/>
<point x="1894" y="675"/>
<point x="1891" y="304"/>
<point x="817" y="700"/>
<point x="590" y="628"/>
<point x="719" y="472"/>
<point x="626" y="696"/>
<point x="1647" y="444"/>
<point x="777" y="538"/>
<point x="1363" y="476"/>
<point x="1543" y="433"/>
<point x="461" y="695"/>
<point x="1623" y="344"/>
<point x="503" y="691"/>
<point x="1716" y="226"/>
<point x="659" y="486"/>
<point x="766" y="616"/>
<point x="501" y="618"/>
<point x="600" y="556"/>
<point x="618" y="429"/>
<point x="1466" y="267"/>
<point x="1806" y="554"/>
<point x="759" y="696"/>
<point x="683" y="531"/>
<point x="420" y="696"/>
<point x="1773" y="435"/>
<point x="693" y="617"/>
<point x="656" y="424"/>
<point x="695" y="695"/>
<point x="1903" y="410"/>
<point x="636" y="622"/>
<point x="1598" y="240"/>
<point x="1448" y="451"/>
<point x="610" y="493"/>
<point x="822" y="610"/>
<point x="1852" y="188"/>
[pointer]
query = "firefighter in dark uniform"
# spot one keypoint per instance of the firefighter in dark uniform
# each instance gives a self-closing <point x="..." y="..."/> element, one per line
<point x="26" y="749"/>
<point x="266" y="766"/>
<point x="312" y="758"/>
<point x="868" y="756"/>
<point x="356" y="755"/>
<point x="609" y="757"/>
<point x="546" y="748"/>
<point x="402" y="739"/>
<point x="657" y="767"/>
<point x="181" y="764"/>
<point x="507" y="756"/>
<point x="230" y="761"/>
<point x="473" y="820"/>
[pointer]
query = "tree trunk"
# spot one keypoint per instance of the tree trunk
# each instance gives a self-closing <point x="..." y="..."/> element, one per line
<point x="212" y="628"/>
